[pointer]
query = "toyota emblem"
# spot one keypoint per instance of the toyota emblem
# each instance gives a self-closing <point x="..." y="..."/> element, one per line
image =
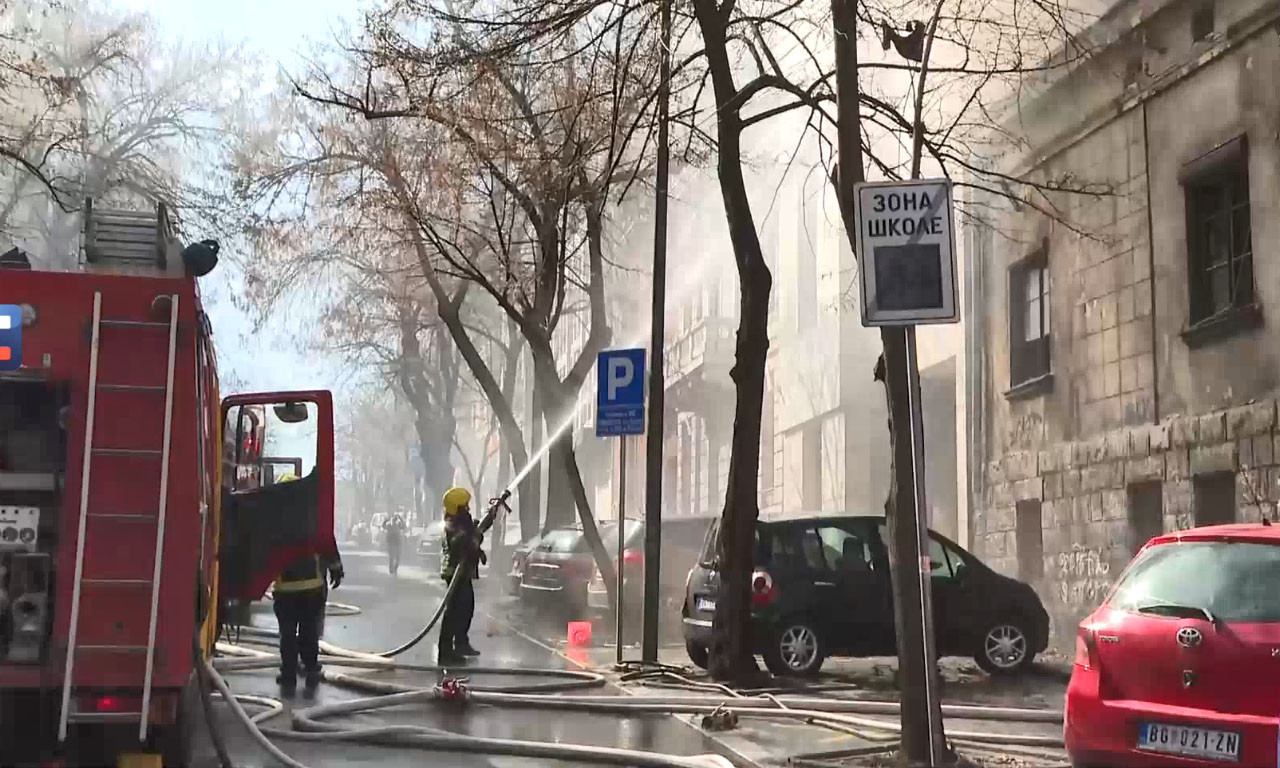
<point x="1190" y="637"/>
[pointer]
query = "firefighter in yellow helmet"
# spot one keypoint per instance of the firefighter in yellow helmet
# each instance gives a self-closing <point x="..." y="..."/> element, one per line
<point x="460" y="548"/>
<point x="298" y="597"/>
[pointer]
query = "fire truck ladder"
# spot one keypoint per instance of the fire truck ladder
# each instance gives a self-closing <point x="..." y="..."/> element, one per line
<point x="73" y="648"/>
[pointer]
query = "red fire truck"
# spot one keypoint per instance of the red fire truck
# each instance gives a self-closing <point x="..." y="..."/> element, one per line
<point x="134" y="502"/>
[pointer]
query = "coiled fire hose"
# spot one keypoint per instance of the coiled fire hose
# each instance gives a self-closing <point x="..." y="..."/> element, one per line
<point x="308" y="723"/>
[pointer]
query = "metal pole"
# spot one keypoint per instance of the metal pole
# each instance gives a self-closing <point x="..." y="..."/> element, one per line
<point x="937" y="745"/>
<point x="654" y="433"/>
<point x="622" y="520"/>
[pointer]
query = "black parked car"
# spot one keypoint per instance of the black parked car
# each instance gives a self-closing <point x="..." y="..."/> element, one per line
<point x="559" y="568"/>
<point x="821" y="588"/>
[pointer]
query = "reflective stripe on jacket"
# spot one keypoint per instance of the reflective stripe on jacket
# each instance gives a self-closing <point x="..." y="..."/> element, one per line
<point x="302" y="575"/>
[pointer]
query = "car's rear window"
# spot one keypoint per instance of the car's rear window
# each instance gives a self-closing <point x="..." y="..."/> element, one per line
<point x="560" y="540"/>
<point x="1233" y="581"/>
<point x="634" y="535"/>
<point x="711" y="545"/>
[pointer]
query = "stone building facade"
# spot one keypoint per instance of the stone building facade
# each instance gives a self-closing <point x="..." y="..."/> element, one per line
<point x="1122" y="354"/>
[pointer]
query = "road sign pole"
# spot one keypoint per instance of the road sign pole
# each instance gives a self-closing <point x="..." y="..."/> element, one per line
<point x="937" y="747"/>
<point x="622" y="520"/>
<point x="657" y="379"/>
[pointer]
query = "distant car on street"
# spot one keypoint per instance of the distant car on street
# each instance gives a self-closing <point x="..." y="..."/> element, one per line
<point x="682" y="539"/>
<point x="821" y="588"/>
<point x="559" y="567"/>
<point x="429" y="544"/>
<point x="362" y="535"/>
<point x="1180" y="666"/>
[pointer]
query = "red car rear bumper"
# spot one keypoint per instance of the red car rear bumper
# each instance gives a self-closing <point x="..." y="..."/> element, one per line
<point x="1104" y="732"/>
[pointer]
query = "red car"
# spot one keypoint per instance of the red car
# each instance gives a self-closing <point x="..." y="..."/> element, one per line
<point x="1181" y="664"/>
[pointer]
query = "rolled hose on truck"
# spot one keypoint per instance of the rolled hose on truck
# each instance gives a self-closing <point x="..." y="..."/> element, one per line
<point x="309" y="726"/>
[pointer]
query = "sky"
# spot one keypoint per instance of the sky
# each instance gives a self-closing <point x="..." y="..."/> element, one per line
<point x="282" y="33"/>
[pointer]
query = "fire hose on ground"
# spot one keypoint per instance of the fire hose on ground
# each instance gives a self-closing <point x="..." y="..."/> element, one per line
<point x="309" y="723"/>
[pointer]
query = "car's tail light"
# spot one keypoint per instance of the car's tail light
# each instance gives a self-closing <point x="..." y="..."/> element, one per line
<point x="1086" y="648"/>
<point x="763" y="590"/>
<point x="515" y="565"/>
<point x="633" y="557"/>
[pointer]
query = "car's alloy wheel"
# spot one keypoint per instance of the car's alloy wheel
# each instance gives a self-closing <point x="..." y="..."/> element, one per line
<point x="1005" y="649"/>
<point x="797" y="649"/>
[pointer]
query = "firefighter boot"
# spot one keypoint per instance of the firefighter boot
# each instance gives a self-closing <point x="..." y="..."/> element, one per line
<point x="313" y="679"/>
<point x="446" y="656"/>
<point x="288" y="683"/>
<point x="464" y="648"/>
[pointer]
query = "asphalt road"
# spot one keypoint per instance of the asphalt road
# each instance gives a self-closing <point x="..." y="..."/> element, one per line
<point x="393" y="610"/>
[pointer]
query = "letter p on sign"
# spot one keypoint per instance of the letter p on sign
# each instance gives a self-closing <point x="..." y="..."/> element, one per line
<point x="621" y="373"/>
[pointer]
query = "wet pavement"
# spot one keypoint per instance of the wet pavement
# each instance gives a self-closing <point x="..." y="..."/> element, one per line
<point x="393" y="610"/>
<point x="762" y="742"/>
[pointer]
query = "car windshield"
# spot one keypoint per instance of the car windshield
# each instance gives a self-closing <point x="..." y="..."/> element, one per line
<point x="1231" y="581"/>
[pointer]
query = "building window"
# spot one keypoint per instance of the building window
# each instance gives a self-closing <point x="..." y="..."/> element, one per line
<point x="1202" y="21"/>
<point x="1029" y="312"/>
<point x="1029" y="530"/>
<point x="1215" y="498"/>
<point x="1219" y="232"/>
<point x="1146" y="514"/>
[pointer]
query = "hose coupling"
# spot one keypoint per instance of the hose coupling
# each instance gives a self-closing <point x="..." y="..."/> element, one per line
<point x="453" y="689"/>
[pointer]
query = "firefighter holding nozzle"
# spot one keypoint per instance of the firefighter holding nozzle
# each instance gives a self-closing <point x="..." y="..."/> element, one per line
<point x="460" y="548"/>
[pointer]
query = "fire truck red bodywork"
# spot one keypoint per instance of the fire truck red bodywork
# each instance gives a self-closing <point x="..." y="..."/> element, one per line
<point x="123" y="499"/>
<point x="124" y="549"/>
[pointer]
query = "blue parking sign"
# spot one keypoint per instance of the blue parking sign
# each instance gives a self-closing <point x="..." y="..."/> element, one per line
<point x="620" y="393"/>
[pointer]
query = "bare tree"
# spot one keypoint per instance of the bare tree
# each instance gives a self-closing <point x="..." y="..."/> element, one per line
<point x="95" y="106"/>
<point x="534" y="150"/>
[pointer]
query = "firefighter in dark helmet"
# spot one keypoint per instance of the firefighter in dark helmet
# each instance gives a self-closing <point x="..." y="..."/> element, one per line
<point x="460" y="547"/>
<point x="298" y="597"/>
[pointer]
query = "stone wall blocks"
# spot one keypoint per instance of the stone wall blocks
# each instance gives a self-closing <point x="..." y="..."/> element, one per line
<point x="1144" y="469"/>
<point x="1139" y="441"/>
<point x="1071" y="483"/>
<point x="1263" y="451"/>
<point x="1053" y="486"/>
<point x="1031" y="488"/>
<point x="1212" y="428"/>
<point x="1250" y="420"/>
<point x="1182" y="432"/>
<point x="1217" y="458"/>
<point x="1159" y="437"/>
<point x="1177" y="465"/>
<point x="1116" y="445"/>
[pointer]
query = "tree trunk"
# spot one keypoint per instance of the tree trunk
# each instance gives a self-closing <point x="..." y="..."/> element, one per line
<point x="731" y="652"/>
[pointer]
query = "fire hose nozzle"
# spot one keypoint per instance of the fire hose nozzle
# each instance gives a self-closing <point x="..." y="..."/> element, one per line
<point x="497" y="503"/>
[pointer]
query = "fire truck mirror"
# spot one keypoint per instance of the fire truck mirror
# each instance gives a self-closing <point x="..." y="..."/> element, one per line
<point x="292" y="413"/>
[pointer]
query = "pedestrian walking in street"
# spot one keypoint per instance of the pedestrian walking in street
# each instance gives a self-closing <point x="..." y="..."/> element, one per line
<point x="395" y="529"/>
<point x="298" y="597"/>
<point x="460" y="548"/>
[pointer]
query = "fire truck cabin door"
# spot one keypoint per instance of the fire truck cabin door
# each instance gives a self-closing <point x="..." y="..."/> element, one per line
<point x="277" y="487"/>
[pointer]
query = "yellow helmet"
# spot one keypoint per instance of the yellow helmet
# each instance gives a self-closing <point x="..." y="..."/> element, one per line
<point x="287" y="477"/>
<point x="454" y="499"/>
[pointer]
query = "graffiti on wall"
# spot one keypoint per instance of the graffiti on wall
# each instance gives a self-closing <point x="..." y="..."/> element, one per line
<point x="1084" y="576"/>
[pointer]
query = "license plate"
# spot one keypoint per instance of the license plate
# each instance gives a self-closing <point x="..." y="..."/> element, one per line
<point x="1189" y="740"/>
<point x="705" y="604"/>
